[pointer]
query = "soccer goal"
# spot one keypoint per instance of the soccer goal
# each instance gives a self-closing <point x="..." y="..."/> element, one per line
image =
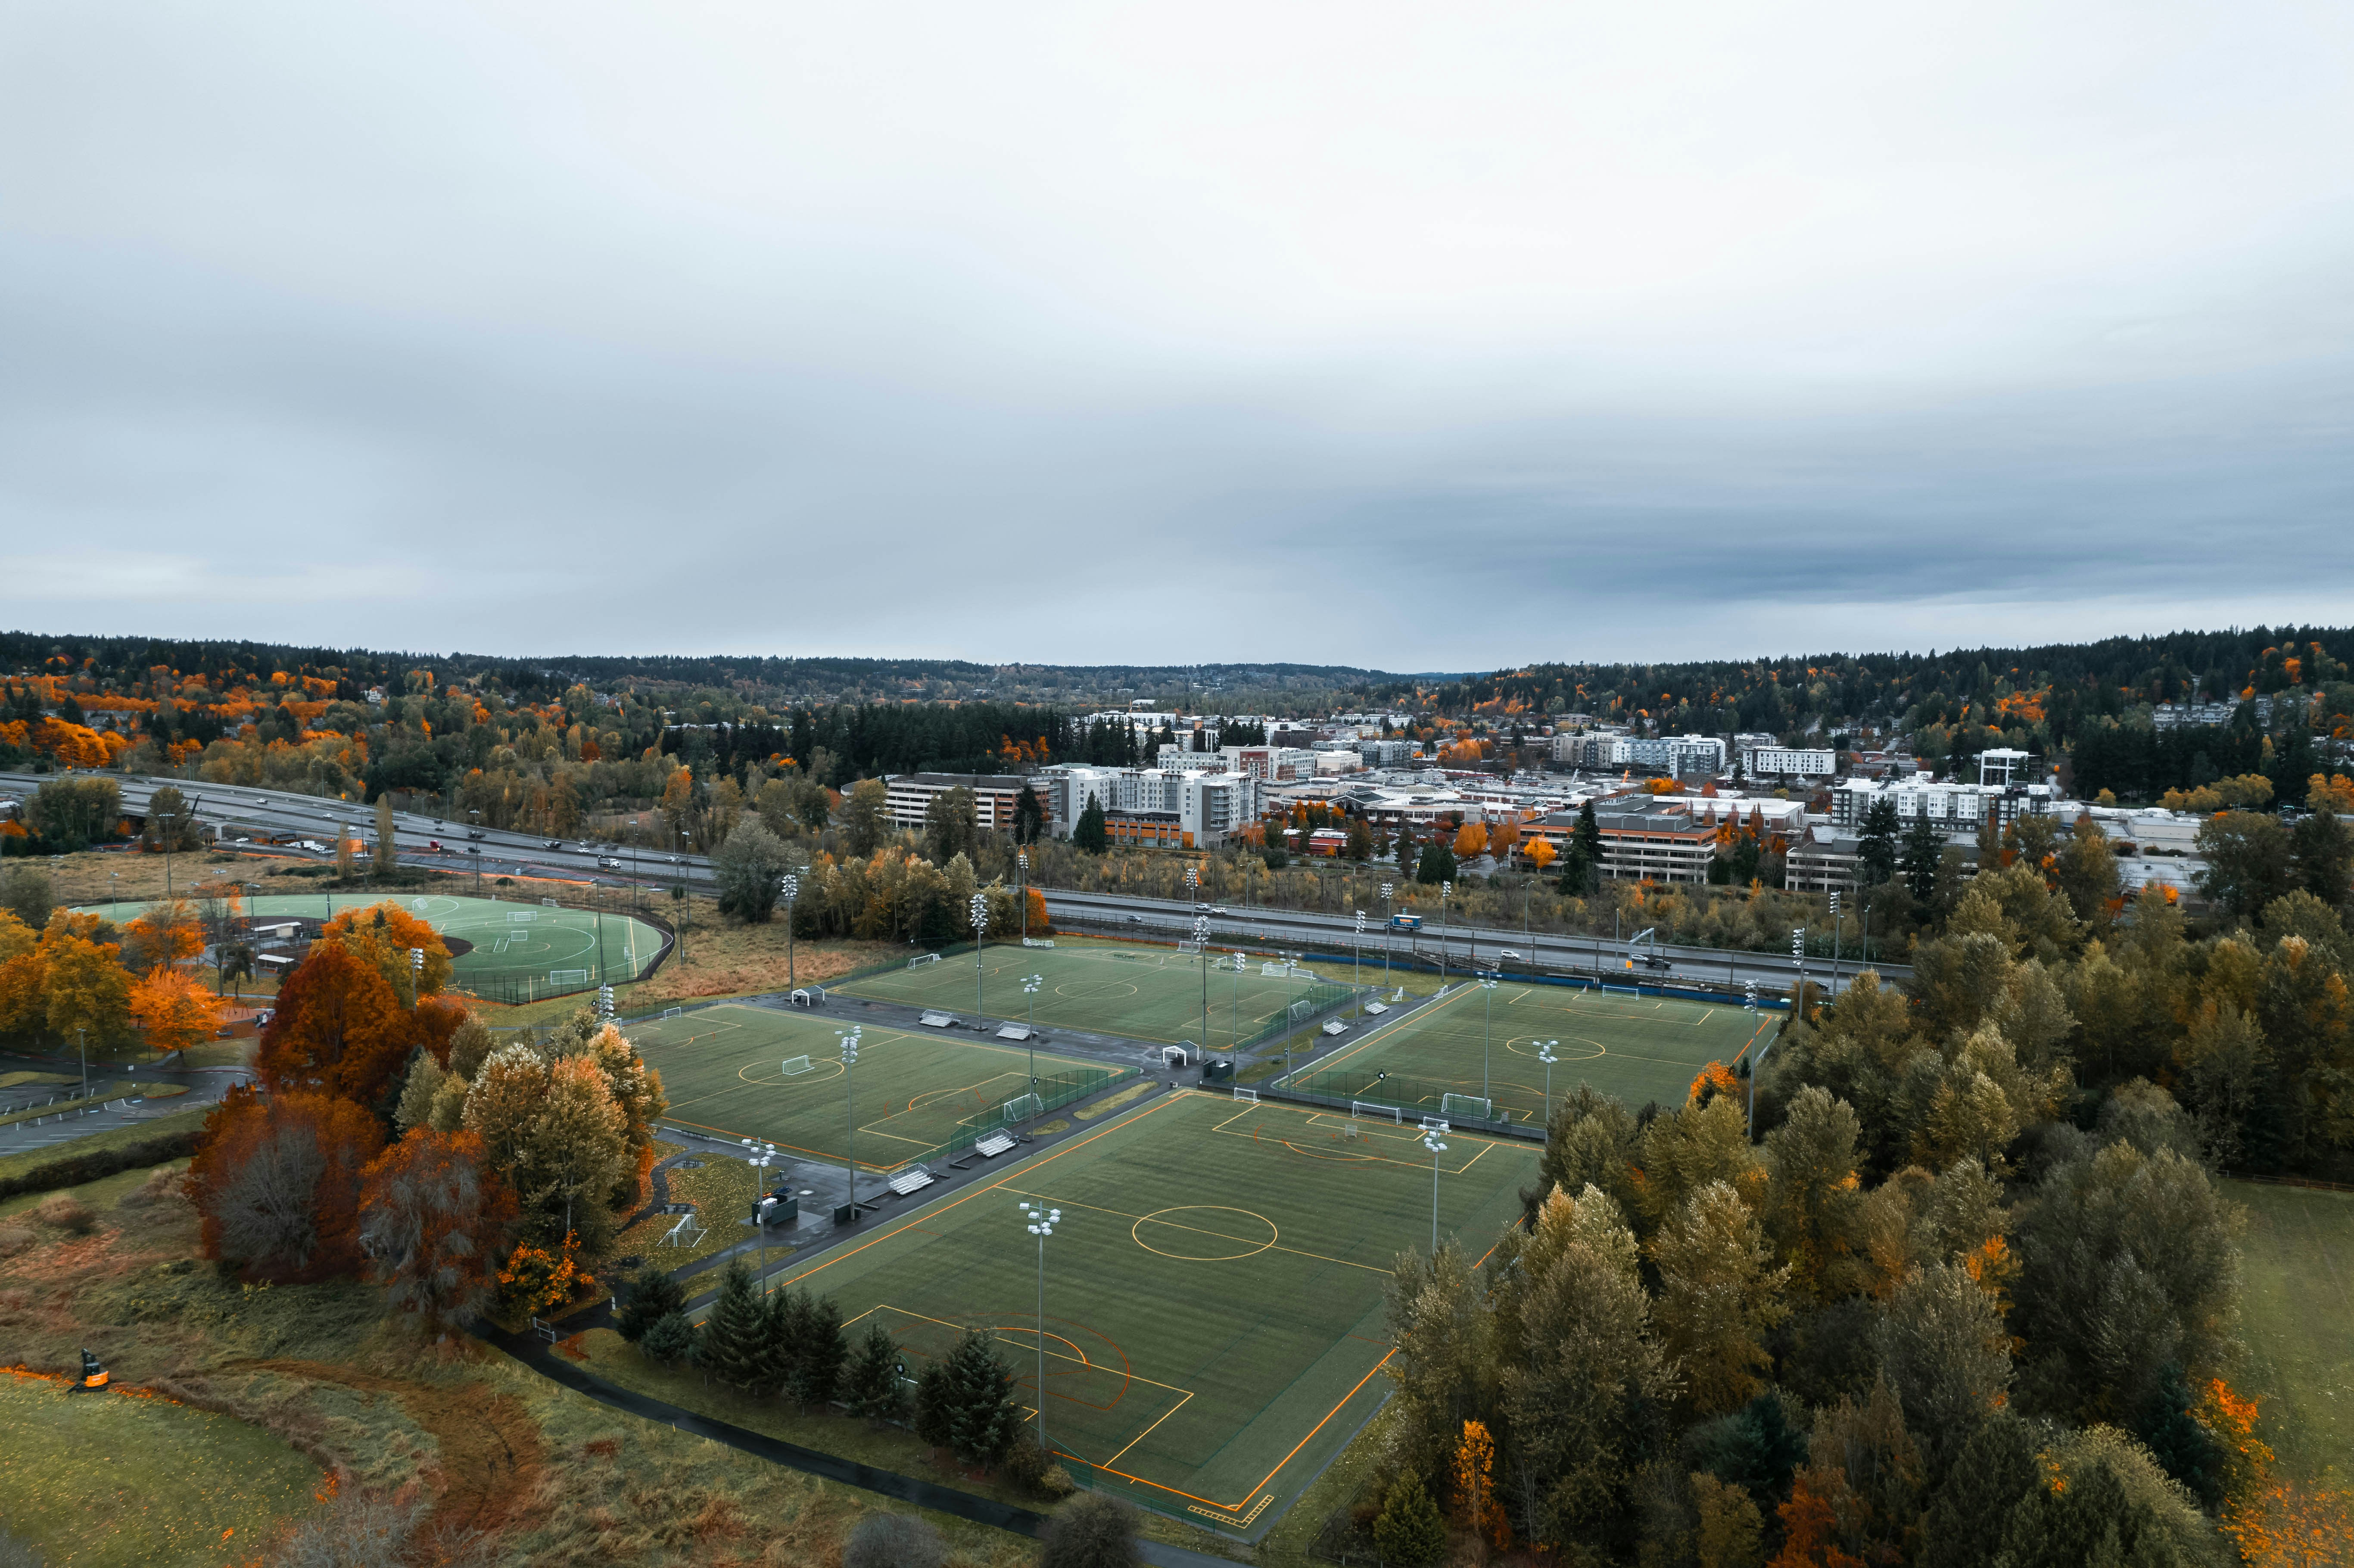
<point x="1434" y="1124"/>
<point x="1249" y="1096"/>
<point x="1022" y="1107"/>
<point x="523" y="916"/>
<point x="1367" y="1110"/>
<point x="1468" y="1105"/>
<point x="796" y="1065"/>
<point x="673" y="1012"/>
<point x="1274" y="971"/>
<point x="567" y="977"/>
<point x="1189" y="945"/>
<point x="1302" y="1009"/>
<point x="922" y="959"/>
<point x="686" y="1232"/>
<point x="548" y="903"/>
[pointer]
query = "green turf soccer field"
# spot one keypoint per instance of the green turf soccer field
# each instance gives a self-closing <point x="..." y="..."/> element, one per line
<point x="723" y="1070"/>
<point x="1141" y="992"/>
<point x="532" y="944"/>
<point x="1215" y="1325"/>
<point x="1635" y="1048"/>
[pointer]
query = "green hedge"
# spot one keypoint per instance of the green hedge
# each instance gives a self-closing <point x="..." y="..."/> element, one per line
<point x="74" y="1170"/>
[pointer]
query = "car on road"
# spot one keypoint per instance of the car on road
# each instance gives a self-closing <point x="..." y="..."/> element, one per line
<point x="473" y="832"/>
<point x="433" y="846"/>
<point x="553" y="843"/>
<point x="1135" y="919"/>
<point x="608" y="862"/>
<point x="1510" y="955"/>
<point x="313" y="845"/>
<point x="1216" y="909"/>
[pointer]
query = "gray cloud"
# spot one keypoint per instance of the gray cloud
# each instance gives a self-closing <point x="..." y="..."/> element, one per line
<point x="1377" y="336"/>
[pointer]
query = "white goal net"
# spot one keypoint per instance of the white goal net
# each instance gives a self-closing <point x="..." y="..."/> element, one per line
<point x="796" y="1065"/>
<point x="567" y="977"/>
<point x="548" y="903"/>
<point x="1468" y="1105"/>
<point x="1022" y="1107"/>
<point x="1367" y="1110"/>
<point x="925" y="958"/>
<point x="1249" y="1096"/>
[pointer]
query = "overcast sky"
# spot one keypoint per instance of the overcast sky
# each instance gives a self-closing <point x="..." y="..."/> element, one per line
<point x="1423" y="337"/>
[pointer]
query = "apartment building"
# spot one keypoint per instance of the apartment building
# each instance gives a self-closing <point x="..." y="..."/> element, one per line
<point x="1788" y="762"/>
<point x="908" y="795"/>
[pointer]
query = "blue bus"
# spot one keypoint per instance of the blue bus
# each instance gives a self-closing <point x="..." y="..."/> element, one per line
<point x="1407" y="922"/>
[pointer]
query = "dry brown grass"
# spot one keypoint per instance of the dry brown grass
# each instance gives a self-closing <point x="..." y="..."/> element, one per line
<point x="483" y="1447"/>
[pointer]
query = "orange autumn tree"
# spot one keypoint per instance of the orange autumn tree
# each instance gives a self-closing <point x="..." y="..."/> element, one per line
<point x="1475" y="1486"/>
<point x="1470" y="838"/>
<point x="337" y="1029"/>
<point x="174" y="1009"/>
<point x="1542" y="853"/>
<point x="277" y="1183"/>
<point x="433" y="1221"/>
<point x="162" y="936"/>
<point x="383" y="934"/>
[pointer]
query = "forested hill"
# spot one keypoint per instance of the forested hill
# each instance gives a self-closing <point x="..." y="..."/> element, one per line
<point x="2050" y="693"/>
<point x="777" y="682"/>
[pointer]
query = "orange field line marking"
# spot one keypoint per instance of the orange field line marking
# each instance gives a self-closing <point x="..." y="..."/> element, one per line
<point x="1146" y="1432"/>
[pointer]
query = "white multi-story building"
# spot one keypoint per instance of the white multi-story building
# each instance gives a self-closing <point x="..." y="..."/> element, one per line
<point x="1775" y="761"/>
<point x="908" y="795"/>
<point x="1955" y="807"/>
<point x="1208" y="806"/>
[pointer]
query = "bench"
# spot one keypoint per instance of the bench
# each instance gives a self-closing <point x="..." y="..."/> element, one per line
<point x="907" y="1181"/>
<point x="995" y="1144"/>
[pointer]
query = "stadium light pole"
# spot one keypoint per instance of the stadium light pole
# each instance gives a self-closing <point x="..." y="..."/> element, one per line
<point x="1235" y="1001"/>
<point x="415" y="972"/>
<point x="980" y="907"/>
<point x="1030" y="985"/>
<point x="1487" y="1028"/>
<point x="1389" y="923"/>
<point x="1798" y="962"/>
<point x="1430" y="1140"/>
<point x="1357" y="963"/>
<point x="1446" y="891"/>
<point x="791" y="887"/>
<point x="760" y="1160"/>
<point x="1202" y="937"/>
<point x="850" y="1093"/>
<point x="1544" y="1055"/>
<point x="1835" y="944"/>
<point x="1041" y="1220"/>
<point x="1021" y="877"/>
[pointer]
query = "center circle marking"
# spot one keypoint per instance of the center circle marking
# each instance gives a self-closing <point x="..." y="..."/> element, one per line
<point x="1191" y="1235"/>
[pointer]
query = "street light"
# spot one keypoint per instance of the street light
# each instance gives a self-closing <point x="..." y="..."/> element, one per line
<point x="849" y="1038"/>
<point x="1430" y="1142"/>
<point x="791" y="887"/>
<point x="1041" y="1220"/>
<point x="760" y="1157"/>
<point x="1544" y="1055"/>
<point x="980" y="907"/>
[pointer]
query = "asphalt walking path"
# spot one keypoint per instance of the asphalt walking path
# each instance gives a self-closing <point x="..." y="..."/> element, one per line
<point x="204" y="1087"/>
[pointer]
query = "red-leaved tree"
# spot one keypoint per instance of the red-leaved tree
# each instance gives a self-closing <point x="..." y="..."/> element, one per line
<point x="277" y="1183"/>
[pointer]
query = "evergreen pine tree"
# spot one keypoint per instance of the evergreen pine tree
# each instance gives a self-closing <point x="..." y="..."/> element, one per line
<point x="935" y="1413"/>
<point x="1409" y="1531"/>
<point x="734" y="1345"/>
<point x="1923" y="847"/>
<point x="2177" y="1440"/>
<point x="819" y="1351"/>
<point x="670" y="1340"/>
<point x="871" y="1383"/>
<point x="983" y="1416"/>
<point x="1965" y="1524"/>
<point x="649" y="1296"/>
<point x="1589" y="835"/>
<point x="783" y="1321"/>
<point x="1089" y="834"/>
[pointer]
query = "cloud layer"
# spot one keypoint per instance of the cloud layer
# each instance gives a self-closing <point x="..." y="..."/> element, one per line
<point x="1353" y="333"/>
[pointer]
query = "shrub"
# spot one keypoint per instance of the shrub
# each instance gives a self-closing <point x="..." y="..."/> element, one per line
<point x="14" y="1239"/>
<point x="1032" y="1469"/>
<point x="161" y="1186"/>
<point x="1090" y="1531"/>
<point x="892" y="1541"/>
<point x="67" y="1213"/>
<point x="74" y="1170"/>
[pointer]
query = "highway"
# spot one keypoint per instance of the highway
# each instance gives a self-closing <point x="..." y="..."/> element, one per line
<point x="237" y="811"/>
<point x="1464" y="947"/>
<point x="241" y="810"/>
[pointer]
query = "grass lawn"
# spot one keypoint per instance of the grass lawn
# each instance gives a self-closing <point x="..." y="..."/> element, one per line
<point x="2298" y="1316"/>
<point x="1116" y="987"/>
<point x="723" y="1068"/>
<point x="99" y="1479"/>
<point x="102" y="1194"/>
<point x="1212" y="1292"/>
<point x="722" y="1191"/>
<point x="1636" y="1048"/>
